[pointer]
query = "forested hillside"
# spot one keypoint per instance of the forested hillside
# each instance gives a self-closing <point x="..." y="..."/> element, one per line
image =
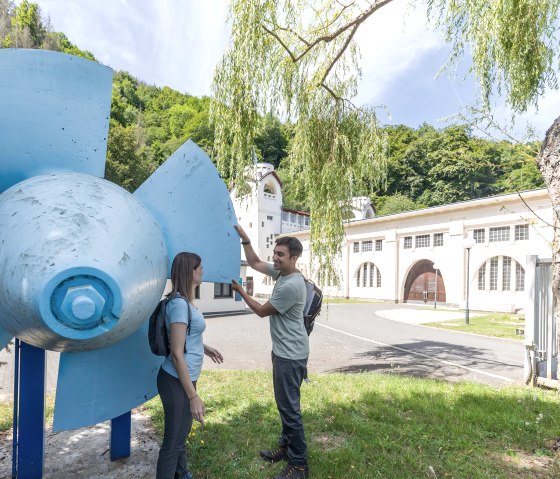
<point x="426" y="166"/>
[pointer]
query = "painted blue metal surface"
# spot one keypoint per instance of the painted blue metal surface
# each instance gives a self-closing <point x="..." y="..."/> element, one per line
<point x="83" y="263"/>
<point x="17" y="348"/>
<point x="192" y="205"/>
<point x="31" y="431"/>
<point x="96" y="386"/>
<point x="5" y="337"/>
<point x="120" y="436"/>
<point x="54" y="114"/>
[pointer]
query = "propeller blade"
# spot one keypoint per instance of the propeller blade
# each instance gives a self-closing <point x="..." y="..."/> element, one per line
<point x="191" y="203"/>
<point x="98" y="385"/>
<point x="54" y="114"/>
<point x="5" y="338"/>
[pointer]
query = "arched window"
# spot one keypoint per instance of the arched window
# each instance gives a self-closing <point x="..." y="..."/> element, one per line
<point x="269" y="188"/>
<point x="496" y="274"/>
<point x="368" y="276"/>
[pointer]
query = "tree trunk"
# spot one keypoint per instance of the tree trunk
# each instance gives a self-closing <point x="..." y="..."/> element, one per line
<point x="548" y="162"/>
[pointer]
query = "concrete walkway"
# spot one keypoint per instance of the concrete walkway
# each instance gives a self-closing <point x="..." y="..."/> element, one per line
<point x="422" y="316"/>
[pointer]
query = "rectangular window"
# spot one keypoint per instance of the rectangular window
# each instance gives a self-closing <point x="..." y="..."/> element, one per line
<point x="378" y="245"/>
<point x="500" y="233"/>
<point x="506" y="273"/>
<point x="262" y="224"/>
<point x="438" y="239"/>
<point x="521" y="232"/>
<point x="293" y="218"/>
<point x="371" y="275"/>
<point x="494" y="274"/>
<point x="284" y="216"/>
<point x="307" y="221"/>
<point x="422" y="241"/>
<point x="479" y="235"/>
<point x="367" y="246"/>
<point x="222" y="290"/>
<point x="269" y="218"/>
<point x="358" y="277"/>
<point x="482" y="277"/>
<point x="300" y="220"/>
<point x="378" y="277"/>
<point x="519" y="277"/>
<point x="364" y="276"/>
<point x="408" y="242"/>
<point x="356" y="247"/>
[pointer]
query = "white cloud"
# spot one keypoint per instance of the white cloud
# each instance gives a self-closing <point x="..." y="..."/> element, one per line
<point x="179" y="42"/>
<point x="165" y="42"/>
<point x="391" y="42"/>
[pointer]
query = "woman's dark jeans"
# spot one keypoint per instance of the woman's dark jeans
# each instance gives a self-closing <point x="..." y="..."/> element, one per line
<point x="172" y="460"/>
<point x="287" y="376"/>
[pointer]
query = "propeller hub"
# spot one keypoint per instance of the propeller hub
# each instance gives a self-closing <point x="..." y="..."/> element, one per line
<point x="80" y="302"/>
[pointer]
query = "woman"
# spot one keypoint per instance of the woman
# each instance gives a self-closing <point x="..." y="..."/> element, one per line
<point x="176" y="381"/>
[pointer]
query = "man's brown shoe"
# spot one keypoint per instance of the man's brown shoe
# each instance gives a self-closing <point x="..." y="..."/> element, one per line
<point x="293" y="472"/>
<point x="275" y="455"/>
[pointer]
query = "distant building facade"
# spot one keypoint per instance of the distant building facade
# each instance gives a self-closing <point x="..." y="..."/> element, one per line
<point x="419" y="256"/>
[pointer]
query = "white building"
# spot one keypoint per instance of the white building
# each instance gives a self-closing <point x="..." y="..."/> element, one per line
<point x="397" y="257"/>
<point x="261" y="215"/>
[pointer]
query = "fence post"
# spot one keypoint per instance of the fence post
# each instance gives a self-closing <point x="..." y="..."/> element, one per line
<point x="531" y="319"/>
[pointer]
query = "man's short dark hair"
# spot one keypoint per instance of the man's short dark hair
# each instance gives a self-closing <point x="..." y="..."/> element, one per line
<point x="294" y="245"/>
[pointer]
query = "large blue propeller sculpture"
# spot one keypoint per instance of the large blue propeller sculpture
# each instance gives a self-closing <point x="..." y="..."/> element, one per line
<point x="83" y="262"/>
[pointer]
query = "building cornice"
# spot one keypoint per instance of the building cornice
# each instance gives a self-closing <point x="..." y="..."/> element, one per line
<point x="528" y="195"/>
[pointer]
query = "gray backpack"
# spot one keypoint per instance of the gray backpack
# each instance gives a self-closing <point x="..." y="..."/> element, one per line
<point x="313" y="303"/>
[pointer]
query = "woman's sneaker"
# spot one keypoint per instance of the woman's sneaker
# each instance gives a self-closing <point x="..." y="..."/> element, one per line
<point x="275" y="455"/>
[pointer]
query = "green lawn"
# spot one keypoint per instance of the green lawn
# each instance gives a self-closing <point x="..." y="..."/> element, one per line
<point x="499" y="325"/>
<point x="378" y="426"/>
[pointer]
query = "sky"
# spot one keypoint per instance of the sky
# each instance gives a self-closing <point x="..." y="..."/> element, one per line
<point x="177" y="43"/>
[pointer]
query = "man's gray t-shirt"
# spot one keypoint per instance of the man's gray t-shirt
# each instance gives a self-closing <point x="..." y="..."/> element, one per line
<point x="289" y="337"/>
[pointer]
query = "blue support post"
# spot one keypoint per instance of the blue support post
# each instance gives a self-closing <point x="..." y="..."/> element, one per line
<point x="16" y="412"/>
<point x="31" y="418"/>
<point x="120" y="436"/>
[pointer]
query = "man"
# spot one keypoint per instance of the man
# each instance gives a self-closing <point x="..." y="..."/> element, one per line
<point x="290" y="347"/>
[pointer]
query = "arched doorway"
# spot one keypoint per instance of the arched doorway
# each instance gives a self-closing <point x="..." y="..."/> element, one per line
<point x="420" y="285"/>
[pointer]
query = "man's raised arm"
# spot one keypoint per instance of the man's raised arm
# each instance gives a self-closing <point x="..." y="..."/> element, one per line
<point x="254" y="261"/>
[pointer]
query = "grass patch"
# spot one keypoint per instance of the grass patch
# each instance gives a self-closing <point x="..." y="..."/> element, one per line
<point x="377" y="426"/>
<point x="499" y="325"/>
<point x="7" y="413"/>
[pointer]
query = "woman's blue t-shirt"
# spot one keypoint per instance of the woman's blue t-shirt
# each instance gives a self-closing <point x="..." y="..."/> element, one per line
<point x="177" y="312"/>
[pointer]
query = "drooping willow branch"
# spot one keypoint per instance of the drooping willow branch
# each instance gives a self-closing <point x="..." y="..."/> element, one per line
<point x="353" y="26"/>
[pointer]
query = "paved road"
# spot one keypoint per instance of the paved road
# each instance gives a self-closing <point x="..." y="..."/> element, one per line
<point x="352" y="338"/>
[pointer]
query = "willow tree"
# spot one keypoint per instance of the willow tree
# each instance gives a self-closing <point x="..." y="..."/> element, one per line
<point x="299" y="59"/>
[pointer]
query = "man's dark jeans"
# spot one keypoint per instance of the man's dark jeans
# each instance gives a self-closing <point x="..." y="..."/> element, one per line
<point x="287" y="376"/>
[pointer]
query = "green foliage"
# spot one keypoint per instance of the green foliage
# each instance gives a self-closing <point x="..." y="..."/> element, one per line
<point x="397" y="203"/>
<point x="514" y="44"/>
<point x="128" y="163"/>
<point x="285" y="59"/>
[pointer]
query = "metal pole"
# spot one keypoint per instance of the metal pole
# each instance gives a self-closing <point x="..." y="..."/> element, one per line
<point x="16" y="412"/>
<point x="435" y="295"/>
<point x="468" y="281"/>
